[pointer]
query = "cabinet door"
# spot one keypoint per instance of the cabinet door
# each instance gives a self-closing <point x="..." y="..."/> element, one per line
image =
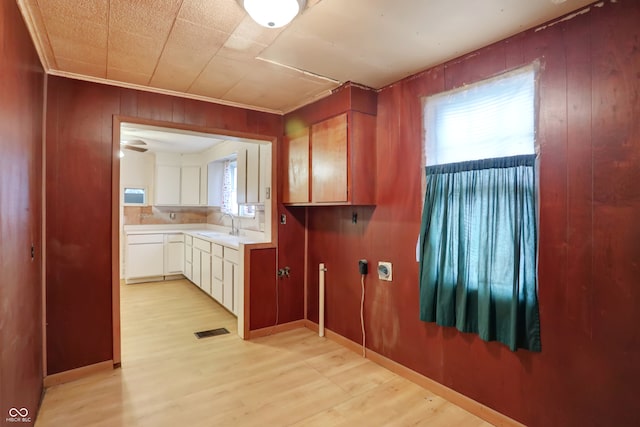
<point x="329" y="160"/>
<point x="167" y="185"/>
<point x="227" y="286"/>
<point x="188" y="271"/>
<point x="197" y="267"/>
<point x="174" y="258"/>
<point x="236" y="283"/>
<point x="205" y="272"/>
<point x="188" y="257"/>
<point x="190" y="185"/>
<point x="216" y="289"/>
<point x="144" y="260"/>
<point x="295" y="152"/>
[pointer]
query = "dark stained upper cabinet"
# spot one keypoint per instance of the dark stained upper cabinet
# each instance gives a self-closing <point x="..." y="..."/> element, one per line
<point x="332" y="160"/>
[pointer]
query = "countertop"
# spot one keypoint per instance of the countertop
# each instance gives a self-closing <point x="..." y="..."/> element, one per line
<point x="219" y="235"/>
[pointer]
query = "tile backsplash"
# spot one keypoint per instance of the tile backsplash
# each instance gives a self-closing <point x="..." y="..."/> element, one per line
<point x="147" y="215"/>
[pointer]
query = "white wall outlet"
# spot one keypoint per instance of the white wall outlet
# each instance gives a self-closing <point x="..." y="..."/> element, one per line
<point x="385" y="271"/>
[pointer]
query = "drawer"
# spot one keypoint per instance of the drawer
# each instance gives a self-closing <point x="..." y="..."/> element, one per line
<point x="203" y="245"/>
<point x="174" y="238"/>
<point x="137" y="239"/>
<point x="188" y="240"/>
<point x="231" y="255"/>
<point x="217" y="250"/>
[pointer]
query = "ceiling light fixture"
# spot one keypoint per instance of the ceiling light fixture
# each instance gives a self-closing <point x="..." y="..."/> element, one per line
<point x="273" y="13"/>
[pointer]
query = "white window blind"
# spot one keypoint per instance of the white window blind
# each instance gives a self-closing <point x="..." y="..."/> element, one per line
<point x="494" y="118"/>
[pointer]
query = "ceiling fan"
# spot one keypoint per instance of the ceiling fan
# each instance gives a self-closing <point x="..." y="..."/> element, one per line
<point x="134" y="145"/>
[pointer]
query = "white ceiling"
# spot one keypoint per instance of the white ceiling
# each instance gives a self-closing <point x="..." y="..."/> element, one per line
<point x="212" y="50"/>
<point x="160" y="139"/>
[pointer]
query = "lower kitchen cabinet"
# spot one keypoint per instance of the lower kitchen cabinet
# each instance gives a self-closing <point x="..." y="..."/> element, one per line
<point x="201" y="264"/>
<point x="217" y="273"/>
<point x="188" y="257"/>
<point x="144" y="256"/>
<point x="173" y="254"/>
<point x="231" y="280"/>
<point x="205" y="272"/>
<point x="227" y="286"/>
<point x="214" y="268"/>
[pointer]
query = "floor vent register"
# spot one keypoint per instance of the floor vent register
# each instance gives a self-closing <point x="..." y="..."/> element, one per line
<point x="211" y="333"/>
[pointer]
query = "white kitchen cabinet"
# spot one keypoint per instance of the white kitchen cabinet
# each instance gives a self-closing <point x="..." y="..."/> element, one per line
<point x="202" y="264"/>
<point x="167" y="185"/>
<point x="205" y="272"/>
<point x="196" y="267"/>
<point x="188" y="257"/>
<point x="217" y="273"/>
<point x="174" y="254"/>
<point x="144" y="256"/>
<point x="230" y="280"/>
<point x="190" y="185"/>
<point x="248" y="174"/>
<point x="227" y="285"/>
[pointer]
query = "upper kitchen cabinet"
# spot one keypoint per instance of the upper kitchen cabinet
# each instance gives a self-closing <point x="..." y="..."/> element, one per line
<point x="249" y="164"/>
<point x="177" y="180"/>
<point x="329" y="153"/>
<point x="295" y="151"/>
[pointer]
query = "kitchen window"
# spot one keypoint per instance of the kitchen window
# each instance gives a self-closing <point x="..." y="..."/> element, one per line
<point x="478" y="238"/>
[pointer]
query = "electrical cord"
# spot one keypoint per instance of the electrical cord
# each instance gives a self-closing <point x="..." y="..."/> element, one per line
<point x="364" y="348"/>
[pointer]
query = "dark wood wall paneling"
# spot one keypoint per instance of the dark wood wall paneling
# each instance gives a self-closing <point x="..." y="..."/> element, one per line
<point x="21" y="103"/>
<point x="291" y="236"/>
<point x="79" y="165"/>
<point x="589" y="136"/>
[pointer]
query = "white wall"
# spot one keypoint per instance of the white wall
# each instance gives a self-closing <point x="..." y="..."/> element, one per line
<point x="136" y="170"/>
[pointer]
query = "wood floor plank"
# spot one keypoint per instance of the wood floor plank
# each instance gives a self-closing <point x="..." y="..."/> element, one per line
<point x="294" y="378"/>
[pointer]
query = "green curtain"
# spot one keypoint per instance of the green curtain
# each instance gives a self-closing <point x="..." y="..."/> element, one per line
<point x="478" y="240"/>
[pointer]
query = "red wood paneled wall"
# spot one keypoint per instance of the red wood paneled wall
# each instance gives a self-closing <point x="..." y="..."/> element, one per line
<point x="21" y="101"/>
<point x="589" y="275"/>
<point x="79" y="164"/>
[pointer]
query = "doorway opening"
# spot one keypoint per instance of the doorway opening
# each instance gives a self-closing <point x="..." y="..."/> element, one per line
<point x="171" y="180"/>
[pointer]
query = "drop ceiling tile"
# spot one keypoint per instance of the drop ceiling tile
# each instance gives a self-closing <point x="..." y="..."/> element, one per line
<point x="71" y="38"/>
<point x="82" y="68"/>
<point x="220" y="75"/>
<point x="250" y="30"/>
<point x="81" y="11"/>
<point x="276" y="87"/>
<point x="239" y="48"/>
<point x="80" y="50"/>
<point x="128" y="76"/>
<point x="188" y="50"/>
<point x="149" y="18"/>
<point x="222" y="15"/>
<point x="133" y="52"/>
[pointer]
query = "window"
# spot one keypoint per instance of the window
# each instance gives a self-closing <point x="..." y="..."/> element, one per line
<point x="479" y="227"/>
<point x="230" y="192"/>
<point x="135" y="196"/>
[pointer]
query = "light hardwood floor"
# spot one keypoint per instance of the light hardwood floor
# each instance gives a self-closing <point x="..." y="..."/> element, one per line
<point x="170" y="378"/>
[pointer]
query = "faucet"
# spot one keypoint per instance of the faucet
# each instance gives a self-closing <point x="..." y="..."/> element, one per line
<point x="234" y="231"/>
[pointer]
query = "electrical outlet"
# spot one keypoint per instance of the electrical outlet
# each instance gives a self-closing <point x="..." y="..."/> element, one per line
<point x="385" y="271"/>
